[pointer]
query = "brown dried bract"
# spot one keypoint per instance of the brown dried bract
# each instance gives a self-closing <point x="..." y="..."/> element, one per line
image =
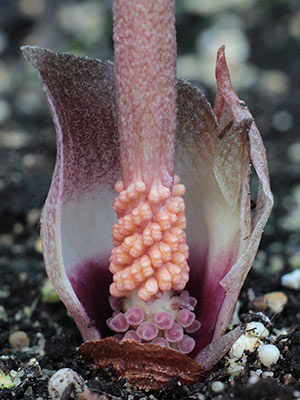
<point x="146" y="366"/>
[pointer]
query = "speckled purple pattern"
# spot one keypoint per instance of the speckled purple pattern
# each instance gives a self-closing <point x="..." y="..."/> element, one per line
<point x="81" y="93"/>
<point x="81" y="96"/>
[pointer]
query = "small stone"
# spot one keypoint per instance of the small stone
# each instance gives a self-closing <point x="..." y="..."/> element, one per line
<point x="275" y="82"/>
<point x="38" y="246"/>
<point x="32" y="369"/>
<point x="28" y="392"/>
<point x="18" y="340"/>
<point x="291" y="280"/>
<point x="276" y="264"/>
<point x="27" y="311"/>
<point x="243" y="343"/>
<point x="217" y="386"/>
<point x="91" y="28"/>
<point x="276" y="301"/>
<point x="39" y="348"/>
<point x="4" y="292"/>
<point x="283" y="121"/>
<point x="64" y="382"/>
<point x="268" y="354"/>
<point x="268" y="374"/>
<point x="49" y="294"/>
<point x="3" y="314"/>
<point x="13" y="373"/>
<point x="257" y="329"/>
<point x="294" y="152"/>
<point x="235" y="369"/>
<point x="31" y="8"/>
<point x="6" y="382"/>
<point x="294" y="260"/>
<point x="253" y="379"/>
<point x="288" y="379"/>
<point x="33" y="216"/>
<point x="23" y="276"/>
<point x="14" y="139"/>
<point x="199" y="396"/>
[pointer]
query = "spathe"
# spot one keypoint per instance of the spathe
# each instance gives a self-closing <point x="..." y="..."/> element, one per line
<point x="212" y="158"/>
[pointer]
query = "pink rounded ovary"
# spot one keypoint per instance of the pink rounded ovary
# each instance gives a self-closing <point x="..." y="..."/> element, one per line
<point x="163" y="320"/>
<point x="185" y="318"/>
<point x="186" y="345"/>
<point x="118" y="323"/>
<point x="175" y="334"/>
<point x="135" y="316"/>
<point x="147" y="331"/>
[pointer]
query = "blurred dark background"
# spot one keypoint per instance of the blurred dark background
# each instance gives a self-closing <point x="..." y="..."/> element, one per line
<point x="262" y="39"/>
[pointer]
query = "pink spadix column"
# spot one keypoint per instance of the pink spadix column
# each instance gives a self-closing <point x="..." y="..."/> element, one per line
<point x="150" y="254"/>
<point x="145" y="73"/>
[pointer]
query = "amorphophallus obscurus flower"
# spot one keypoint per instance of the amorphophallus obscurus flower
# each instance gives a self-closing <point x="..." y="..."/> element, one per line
<point x="162" y="261"/>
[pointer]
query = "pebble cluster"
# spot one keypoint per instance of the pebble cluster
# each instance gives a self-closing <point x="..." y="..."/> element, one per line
<point x="252" y="340"/>
<point x="150" y="250"/>
<point x="166" y="322"/>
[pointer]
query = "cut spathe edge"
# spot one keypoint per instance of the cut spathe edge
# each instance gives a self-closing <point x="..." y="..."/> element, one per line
<point x="234" y="280"/>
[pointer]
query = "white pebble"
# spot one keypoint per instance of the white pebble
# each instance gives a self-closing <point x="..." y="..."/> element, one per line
<point x="291" y="280"/>
<point x="217" y="386"/>
<point x="253" y="379"/>
<point x="235" y="369"/>
<point x="257" y="329"/>
<point x="268" y="354"/>
<point x="268" y="374"/>
<point x="61" y="380"/>
<point x="243" y="343"/>
<point x="200" y="396"/>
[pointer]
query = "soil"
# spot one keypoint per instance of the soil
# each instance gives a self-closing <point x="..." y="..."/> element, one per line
<point x="27" y="155"/>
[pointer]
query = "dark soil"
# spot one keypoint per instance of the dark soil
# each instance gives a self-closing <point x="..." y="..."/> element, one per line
<point x="27" y="155"/>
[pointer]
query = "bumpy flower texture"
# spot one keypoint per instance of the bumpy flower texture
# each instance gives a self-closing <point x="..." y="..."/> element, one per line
<point x="147" y="230"/>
